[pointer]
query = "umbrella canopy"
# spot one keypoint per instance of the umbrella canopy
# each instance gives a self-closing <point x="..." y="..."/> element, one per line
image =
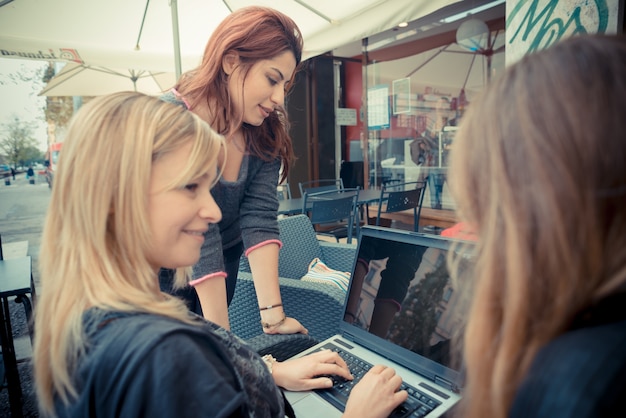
<point x="449" y="68"/>
<point x="107" y="33"/>
<point x="86" y="80"/>
<point x="452" y="66"/>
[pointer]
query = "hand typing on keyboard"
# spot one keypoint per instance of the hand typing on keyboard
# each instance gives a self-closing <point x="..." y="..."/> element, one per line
<point x="313" y="371"/>
<point x="376" y="395"/>
<point x="413" y="403"/>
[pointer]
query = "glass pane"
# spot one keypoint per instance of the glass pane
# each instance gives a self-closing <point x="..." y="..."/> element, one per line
<point x="414" y="105"/>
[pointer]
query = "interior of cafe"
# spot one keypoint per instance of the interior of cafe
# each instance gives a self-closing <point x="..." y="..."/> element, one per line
<point x="386" y="109"/>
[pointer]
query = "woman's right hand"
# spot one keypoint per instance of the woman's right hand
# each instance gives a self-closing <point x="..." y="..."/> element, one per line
<point x="288" y="326"/>
<point x="376" y="395"/>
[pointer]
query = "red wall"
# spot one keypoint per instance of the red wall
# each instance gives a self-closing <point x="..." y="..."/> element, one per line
<point x="353" y="88"/>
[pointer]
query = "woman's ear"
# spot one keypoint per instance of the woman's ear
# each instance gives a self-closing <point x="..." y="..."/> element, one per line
<point x="230" y="61"/>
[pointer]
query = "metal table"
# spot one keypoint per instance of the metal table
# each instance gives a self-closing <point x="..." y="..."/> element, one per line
<point x="294" y="206"/>
<point x="15" y="280"/>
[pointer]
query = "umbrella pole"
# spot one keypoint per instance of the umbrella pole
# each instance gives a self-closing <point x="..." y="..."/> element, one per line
<point x="174" y="6"/>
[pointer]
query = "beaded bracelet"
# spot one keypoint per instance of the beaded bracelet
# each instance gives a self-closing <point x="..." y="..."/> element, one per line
<point x="267" y="325"/>
<point x="265" y="308"/>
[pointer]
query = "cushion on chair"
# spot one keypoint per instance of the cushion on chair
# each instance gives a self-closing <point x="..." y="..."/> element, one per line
<point x="321" y="273"/>
<point x="300" y="246"/>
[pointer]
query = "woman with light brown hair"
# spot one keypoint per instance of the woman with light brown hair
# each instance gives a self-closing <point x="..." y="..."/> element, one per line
<point x="539" y="171"/>
<point x="108" y="342"/>
<point x="239" y="88"/>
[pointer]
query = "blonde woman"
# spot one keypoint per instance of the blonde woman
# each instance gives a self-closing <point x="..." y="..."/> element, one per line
<point x="539" y="171"/>
<point x="108" y="341"/>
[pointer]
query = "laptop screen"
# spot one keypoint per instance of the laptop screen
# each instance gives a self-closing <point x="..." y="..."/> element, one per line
<point x="401" y="298"/>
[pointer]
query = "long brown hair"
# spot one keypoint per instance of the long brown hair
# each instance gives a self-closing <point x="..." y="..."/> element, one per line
<point x="254" y="33"/>
<point x="538" y="169"/>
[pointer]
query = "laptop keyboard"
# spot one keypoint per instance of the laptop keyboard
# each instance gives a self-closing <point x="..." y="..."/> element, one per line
<point x="417" y="405"/>
<point x="289" y="348"/>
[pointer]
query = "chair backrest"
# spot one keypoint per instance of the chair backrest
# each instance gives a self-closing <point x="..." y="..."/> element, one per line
<point x="400" y="197"/>
<point x="300" y="246"/>
<point x="334" y="206"/>
<point x="321" y="185"/>
<point x="283" y="191"/>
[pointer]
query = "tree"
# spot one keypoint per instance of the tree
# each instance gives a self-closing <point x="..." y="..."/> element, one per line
<point x="18" y="141"/>
<point x="58" y="110"/>
<point x="55" y="111"/>
<point x="415" y="332"/>
<point x="32" y="155"/>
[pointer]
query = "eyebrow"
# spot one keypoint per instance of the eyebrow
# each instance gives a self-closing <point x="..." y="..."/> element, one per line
<point x="282" y="77"/>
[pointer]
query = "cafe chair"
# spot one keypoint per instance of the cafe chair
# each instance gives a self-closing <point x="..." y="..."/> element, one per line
<point x="318" y="306"/>
<point x="398" y="197"/>
<point x="320" y="185"/>
<point x="334" y="212"/>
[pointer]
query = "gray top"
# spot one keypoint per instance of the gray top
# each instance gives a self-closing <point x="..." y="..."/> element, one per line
<point x="249" y="209"/>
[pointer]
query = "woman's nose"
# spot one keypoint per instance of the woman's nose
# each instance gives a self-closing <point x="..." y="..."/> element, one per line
<point x="210" y="210"/>
<point x="278" y="96"/>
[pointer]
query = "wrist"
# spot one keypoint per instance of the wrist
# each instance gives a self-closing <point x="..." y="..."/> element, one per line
<point x="273" y="323"/>
<point x="277" y="372"/>
<point x="269" y="361"/>
<point x="268" y="307"/>
<point x="272" y="315"/>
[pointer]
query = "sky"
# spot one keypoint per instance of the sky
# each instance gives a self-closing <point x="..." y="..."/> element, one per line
<point x="19" y="98"/>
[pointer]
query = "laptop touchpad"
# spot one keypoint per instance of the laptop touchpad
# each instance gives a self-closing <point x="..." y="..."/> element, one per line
<point x="313" y="406"/>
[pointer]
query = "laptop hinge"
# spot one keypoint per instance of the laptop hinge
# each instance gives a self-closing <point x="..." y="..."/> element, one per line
<point x="446" y="383"/>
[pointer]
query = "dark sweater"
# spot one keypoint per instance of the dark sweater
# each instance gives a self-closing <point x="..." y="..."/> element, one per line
<point x="582" y="373"/>
<point x="143" y="365"/>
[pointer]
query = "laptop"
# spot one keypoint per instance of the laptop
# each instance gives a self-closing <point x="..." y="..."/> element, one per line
<point x="401" y="310"/>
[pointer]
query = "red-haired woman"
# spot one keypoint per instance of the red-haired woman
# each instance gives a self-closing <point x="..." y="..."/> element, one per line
<point x="239" y="88"/>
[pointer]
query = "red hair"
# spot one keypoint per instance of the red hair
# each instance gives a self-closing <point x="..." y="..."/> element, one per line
<point x="255" y="34"/>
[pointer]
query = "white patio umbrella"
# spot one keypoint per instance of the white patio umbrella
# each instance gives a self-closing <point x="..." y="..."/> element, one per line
<point x="146" y="34"/>
<point x="454" y="66"/>
<point x="87" y="80"/>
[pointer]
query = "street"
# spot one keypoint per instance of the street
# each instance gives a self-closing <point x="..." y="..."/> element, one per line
<point x="23" y="209"/>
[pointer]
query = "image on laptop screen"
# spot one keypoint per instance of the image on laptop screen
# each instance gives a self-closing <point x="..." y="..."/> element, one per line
<point x="402" y="292"/>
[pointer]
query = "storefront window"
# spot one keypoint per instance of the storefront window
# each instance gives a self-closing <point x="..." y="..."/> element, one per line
<point x="414" y="106"/>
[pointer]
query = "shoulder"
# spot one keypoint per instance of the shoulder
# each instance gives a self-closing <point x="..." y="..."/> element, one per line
<point x="136" y="358"/>
<point x="258" y="162"/>
<point x="582" y="373"/>
<point x="147" y="332"/>
<point x="170" y="97"/>
<point x="263" y="173"/>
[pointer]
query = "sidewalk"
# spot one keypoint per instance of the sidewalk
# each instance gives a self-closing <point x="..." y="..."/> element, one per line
<point x="20" y="180"/>
<point x="23" y="208"/>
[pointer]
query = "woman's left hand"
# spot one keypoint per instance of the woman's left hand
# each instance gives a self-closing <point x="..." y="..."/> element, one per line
<point x="310" y="371"/>
<point x="289" y="326"/>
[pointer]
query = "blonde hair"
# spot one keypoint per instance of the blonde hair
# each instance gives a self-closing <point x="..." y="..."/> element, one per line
<point x="538" y="169"/>
<point x="96" y="234"/>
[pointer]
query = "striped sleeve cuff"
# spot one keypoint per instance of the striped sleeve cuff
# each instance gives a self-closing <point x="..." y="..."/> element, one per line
<point x="207" y="277"/>
<point x="261" y="244"/>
